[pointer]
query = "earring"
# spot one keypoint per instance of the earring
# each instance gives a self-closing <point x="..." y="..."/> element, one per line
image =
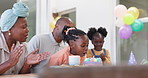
<point x="9" y="33"/>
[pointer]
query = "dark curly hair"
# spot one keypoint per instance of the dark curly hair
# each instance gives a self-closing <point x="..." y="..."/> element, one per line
<point x="100" y="30"/>
<point x="72" y="34"/>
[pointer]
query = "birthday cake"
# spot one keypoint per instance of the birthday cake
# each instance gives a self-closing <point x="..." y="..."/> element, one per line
<point x="93" y="62"/>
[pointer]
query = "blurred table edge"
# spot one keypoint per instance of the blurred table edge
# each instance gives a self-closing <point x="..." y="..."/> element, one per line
<point x="20" y="76"/>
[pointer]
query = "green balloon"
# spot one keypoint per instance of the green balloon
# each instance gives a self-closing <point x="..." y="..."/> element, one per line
<point x="137" y="25"/>
<point x="128" y="19"/>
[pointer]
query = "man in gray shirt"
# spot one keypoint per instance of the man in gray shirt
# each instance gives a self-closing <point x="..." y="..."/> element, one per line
<point x="51" y="42"/>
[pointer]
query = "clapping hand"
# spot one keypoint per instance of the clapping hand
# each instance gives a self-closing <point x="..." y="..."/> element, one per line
<point x="34" y="58"/>
<point x="15" y="54"/>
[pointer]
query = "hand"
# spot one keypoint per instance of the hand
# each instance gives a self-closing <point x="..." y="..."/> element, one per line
<point x="34" y="58"/>
<point x="15" y="54"/>
<point x="102" y="57"/>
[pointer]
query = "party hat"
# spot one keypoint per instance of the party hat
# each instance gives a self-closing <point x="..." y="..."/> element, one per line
<point x="144" y="61"/>
<point x="132" y="60"/>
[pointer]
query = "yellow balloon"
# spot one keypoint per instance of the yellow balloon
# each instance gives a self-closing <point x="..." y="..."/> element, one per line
<point x="57" y="18"/>
<point x="134" y="11"/>
<point x="128" y="19"/>
<point x="52" y="24"/>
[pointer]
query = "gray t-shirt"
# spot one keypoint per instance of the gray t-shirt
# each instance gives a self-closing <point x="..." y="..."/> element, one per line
<point x="45" y="43"/>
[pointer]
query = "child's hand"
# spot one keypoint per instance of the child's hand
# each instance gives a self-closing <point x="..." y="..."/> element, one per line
<point x="102" y="57"/>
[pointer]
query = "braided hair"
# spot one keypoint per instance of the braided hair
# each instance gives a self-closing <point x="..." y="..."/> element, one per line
<point x="100" y="30"/>
<point x="71" y="34"/>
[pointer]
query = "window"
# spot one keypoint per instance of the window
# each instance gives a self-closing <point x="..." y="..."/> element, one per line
<point x="138" y="42"/>
<point x="71" y="13"/>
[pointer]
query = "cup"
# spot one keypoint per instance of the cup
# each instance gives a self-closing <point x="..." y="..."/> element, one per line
<point x="74" y="60"/>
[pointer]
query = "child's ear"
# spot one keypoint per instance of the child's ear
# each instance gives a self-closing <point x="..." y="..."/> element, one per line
<point x="71" y="43"/>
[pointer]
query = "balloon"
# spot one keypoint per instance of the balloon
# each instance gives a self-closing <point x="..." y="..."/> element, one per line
<point x="125" y="32"/>
<point x="137" y="25"/>
<point x="119" y="22"/>
<point x="52" y="24"/>
<point x="128" y="19"/>
<point x="120" y="11"/>
<point x="58" y="17"/>
<point x="134" y="11"/>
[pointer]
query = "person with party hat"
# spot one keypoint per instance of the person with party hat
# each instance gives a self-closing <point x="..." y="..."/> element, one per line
<point x="14" y="57"/>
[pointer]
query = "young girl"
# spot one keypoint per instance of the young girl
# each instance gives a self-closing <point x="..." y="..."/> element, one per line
<point x="78" y="45"/>
<point x="97" y="38"/>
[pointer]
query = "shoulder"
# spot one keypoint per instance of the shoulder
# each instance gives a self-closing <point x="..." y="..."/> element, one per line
<point x="41" y="36"/>
<point x="106" y="50"/>
<point x="62" y="52"/>
<point x="89" y="50"/>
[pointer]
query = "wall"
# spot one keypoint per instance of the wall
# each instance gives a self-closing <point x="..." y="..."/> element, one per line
<point x="62" y="5"/>
<point x="43" y="15"/>
<point x="98" y="13"/>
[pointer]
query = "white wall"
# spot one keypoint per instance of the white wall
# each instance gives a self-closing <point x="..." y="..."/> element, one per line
<point x="43" y="16"/>
<point x="93" y="13"/>
<point x="98" y="13"/>
<point x="62" y="5"/>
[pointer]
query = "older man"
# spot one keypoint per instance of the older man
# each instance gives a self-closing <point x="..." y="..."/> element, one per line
<point x="51" y="42"/>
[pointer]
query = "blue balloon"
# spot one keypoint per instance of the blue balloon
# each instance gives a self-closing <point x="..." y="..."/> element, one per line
<point x="137" y="25"/>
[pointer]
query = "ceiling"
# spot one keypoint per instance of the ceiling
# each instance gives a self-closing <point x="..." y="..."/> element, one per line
<point x="6" y="4"/>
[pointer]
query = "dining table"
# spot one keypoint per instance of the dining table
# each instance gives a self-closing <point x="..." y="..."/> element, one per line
<point x="20" y="76"/>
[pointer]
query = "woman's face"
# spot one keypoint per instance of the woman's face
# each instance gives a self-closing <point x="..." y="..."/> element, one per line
<point x="80" y="46"/>
<point x="19" y="32"/>
<point x="98" y="41"/>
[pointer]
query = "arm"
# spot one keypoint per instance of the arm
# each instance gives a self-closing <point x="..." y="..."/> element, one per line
<point x="107" y="58"/>
<point x="13" y="59"/>
<point x="4" y="67"/>
<point x="53" y="61"/>
<point x="26" y="68"/>
<point x="32" y="59"/>
<point x="57" y="59"/>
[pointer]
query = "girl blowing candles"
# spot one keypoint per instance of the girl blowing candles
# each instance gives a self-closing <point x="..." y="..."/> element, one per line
<point x="78" y="45"/>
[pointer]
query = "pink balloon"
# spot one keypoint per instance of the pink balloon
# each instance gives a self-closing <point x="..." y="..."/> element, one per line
<point x="125" y="32"/>
<point x="120" y="11"/>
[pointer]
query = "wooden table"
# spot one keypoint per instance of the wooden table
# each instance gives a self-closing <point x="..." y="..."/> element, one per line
<point x="20" y="76"/>
<point x="136" y="71"/>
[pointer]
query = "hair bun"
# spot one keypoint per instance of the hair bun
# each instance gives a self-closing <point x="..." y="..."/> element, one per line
<point x="20" y="9"/>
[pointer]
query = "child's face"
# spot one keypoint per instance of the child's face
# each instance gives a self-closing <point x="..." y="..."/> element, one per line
<point x="98" y="41"/>
<point x="80" y="46"/>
